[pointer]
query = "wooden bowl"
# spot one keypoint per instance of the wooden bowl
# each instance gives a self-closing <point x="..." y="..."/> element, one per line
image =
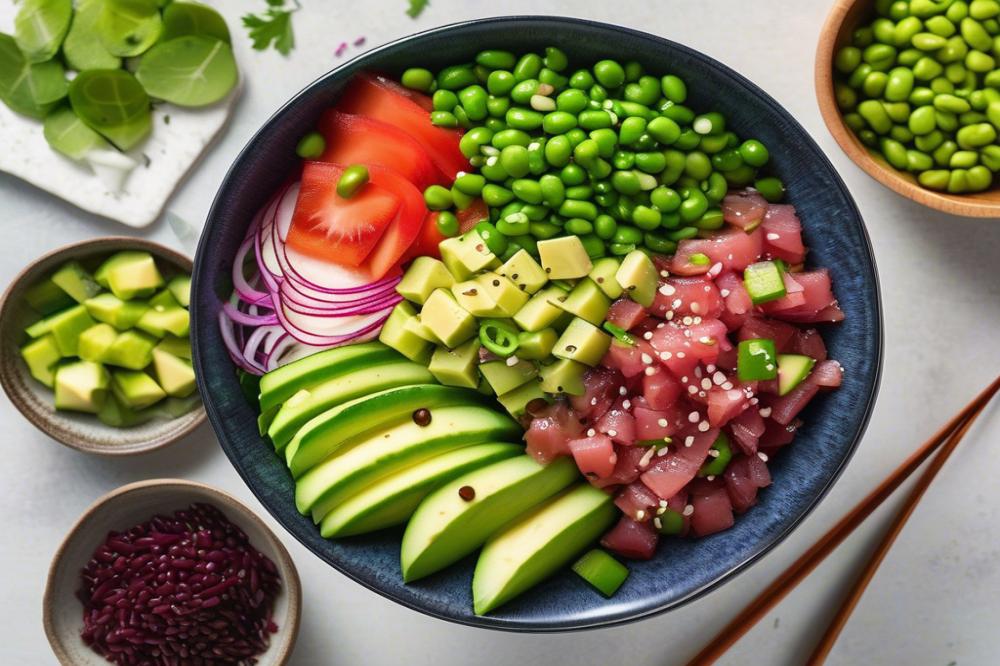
<point x="62" y="612"/>
<point x="82" y="432"/>
<point x="844" y="17"/>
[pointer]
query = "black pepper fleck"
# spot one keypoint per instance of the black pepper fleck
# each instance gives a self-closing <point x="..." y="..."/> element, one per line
<point x="422" y="417"/>
<point x="468" y="493"/>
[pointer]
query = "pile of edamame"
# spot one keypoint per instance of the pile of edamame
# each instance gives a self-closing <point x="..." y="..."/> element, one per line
<point x="921" y="85"/>
<point x="608" y="153"/>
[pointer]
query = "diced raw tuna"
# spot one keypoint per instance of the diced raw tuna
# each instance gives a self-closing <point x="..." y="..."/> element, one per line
<point x="783" y="234"/>
<point x="637" y="502"/>
<point x="744" y="209"/>
<point x="786" y="408"/>
<point x="626" y="469"/>
<point x="828" y="374"/>
<point x="676" y="469"/>
<point x="807" y="342"/>
<point x="777" y="434"/>
<point x="601" y="386"/>
<point x="759" y="327"/>
<point x="548" y="436"/>
<point x="661" y="390"/>
<point x="713" y="510"/>
<point x="630" y="539"/>
<point x="628" y="359"/>
<point x="794" y="297"/>
<point x="746" y="430"/>
<point x="594" y="455"/>
<point x="626" y="313"/>
<point x="734" y="249"/>
<point x="743" y="477"/>
<point x="725" y="405"/>
<point x="618" y="424"/>
<point x="819" y="304"/>
<point x="734" y="293"/>
<point x="688" y="296"/>
<point x="657" y="424"/>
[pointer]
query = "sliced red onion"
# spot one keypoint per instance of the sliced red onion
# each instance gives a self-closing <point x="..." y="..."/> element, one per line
<point x="235" y="352"/>
<point x="240" y="284"/>
<point x="350" y="331"/>
<point x="246" y="319"/>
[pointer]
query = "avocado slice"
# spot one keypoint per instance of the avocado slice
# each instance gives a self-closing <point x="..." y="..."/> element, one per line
<point x="376" y="455"/>
<point x="563" y="376"/>
<point x="392" y="500"/>
<point x="475" y="300"/>
<point x="517" y="400"/>
<point x="504" y="378"/>
<point x="536" y="345"/>
<point x="445" y="527"/>
<point x="398" y="335"/>
<point x="466" y="255"/>
<point x="110" y="309"/>
<point x="637" y="277"/>
<point x="180" y="287"/>
<point x="130" y="349"/>
<point x="524" y="271"/>
<point x="448" y="321"/>
<point x="564" y="257"/>
<point x="174" y="374"/>
<point x="586" y="301"/>
<point x="540" y="312"/>
<point x="507" y="298"/>
<point x="96" y="341"/>
<point x="46" y="297"/>
<point x="81" y="386"/>
<point x="116" y="414"/>
<point x="179" y="347"/>
<point x="456" y="367"/>
<point x="582" y="342"/>
<point x="164" y="299"/>
<point x="159" y="320"/>
<point x="603" y="274"/>
<point x="135" y="389"/>
<point x="423" y="276"/>
<point x="538" y="544"/>
<point x="311" y="402"/>
<point x="76" y="281"/>
<point x="130" y="274"/>
<point x="41" y="355"/>
<point x="792" y="370"/>
<point x="326" y="433"/>
<point x="67" y="326"/>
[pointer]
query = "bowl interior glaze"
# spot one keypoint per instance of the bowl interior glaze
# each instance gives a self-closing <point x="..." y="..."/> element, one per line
<point x="682" y="569"/>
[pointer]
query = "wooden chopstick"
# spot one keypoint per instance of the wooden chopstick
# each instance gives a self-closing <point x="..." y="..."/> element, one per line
<point x="843" y="614"/>
<point x="809" y="560"/>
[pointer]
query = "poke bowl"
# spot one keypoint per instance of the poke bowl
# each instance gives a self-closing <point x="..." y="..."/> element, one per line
<point x="479" y="395"/>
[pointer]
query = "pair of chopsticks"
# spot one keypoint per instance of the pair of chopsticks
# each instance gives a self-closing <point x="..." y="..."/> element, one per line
<point x="947" y="439"/>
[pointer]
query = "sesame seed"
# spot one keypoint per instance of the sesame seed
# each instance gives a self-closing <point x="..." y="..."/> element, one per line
<point x="695" y="308"/>
<point x="697" y="372"/>
<point x="662" y="451"/>
<point x="714" y="453"/>
<point x="772" y="236"/>
<point x="684" y="379"/>
<point x="687" y="321"/>
<point x="697" y="320"/>
<point x="705" y="340"/>
<point x="688" y="510"/>
<point x="762" y="456"/>
<point x="703" y="426"/>
<point x="492" y="160"/>
<point x="662" y="423"/>
<point x="710" y="477"/>
<point x="622" y="390"/>
<point x="680" y="354"/>
<point x="650" y="371"/>
<point x="754" y="401"/>
<point x="665" y="356"/>
<point x="677" y="303"/>
<point x="688" y="441"/>
<point x="765" y="412"/>
<point x="670" y="317"/>
<point x="648" y="335"/>
<point x="714" y="270"/>
<point x="663" y="503"/>
<point x="640" y="514"/>
<point x="646" y="358"/>
<point x="627" y="404"/>
<point x="657" y="523"/>
<point x="593" y="401"/>
<point x="724" y="293"/>
<point x="719" y="377"/>
<point x="646" y="457"/>
<point x="512" y="361"/>
<point x="692" y="389"/>
<point x="706" y="383"/>
<point x="664" y="273"/>
<point x="612" y="433"/>
<point x="710" y="367"/>
<point x="591" y="432"/>
<point x="727" y="385"/>
<point x="668" y="290"/>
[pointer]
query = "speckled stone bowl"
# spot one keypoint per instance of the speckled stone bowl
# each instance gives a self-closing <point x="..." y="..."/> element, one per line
<point x="82" y="432"/>
<point x="682" y="569"/>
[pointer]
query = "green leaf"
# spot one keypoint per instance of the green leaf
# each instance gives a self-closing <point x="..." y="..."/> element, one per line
<point x="113" y="103"/>
<point x="188" y="71"/>
<point x="128" y="28"/>
<point x="83" y="48"/>
<point x="69" y="135"/>
<point x="417" y="7"/>
<point x="40" y="26"/>
<point x="32" y="89"/>
<point x="191" y="18"/>
<point x="273" y="27"/>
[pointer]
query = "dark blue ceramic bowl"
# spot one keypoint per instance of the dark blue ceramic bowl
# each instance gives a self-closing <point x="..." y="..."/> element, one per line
<point x="682" y="569"/>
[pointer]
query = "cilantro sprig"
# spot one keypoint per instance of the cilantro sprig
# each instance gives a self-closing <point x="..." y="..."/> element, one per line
<point x="273" y="26"/>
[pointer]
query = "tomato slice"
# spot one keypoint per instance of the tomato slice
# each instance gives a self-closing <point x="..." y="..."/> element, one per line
<point x="379" y="99"/>
<point x="404" y="229"/>
<point x="426" y="244"/>
<point x="352" y="139"/>
<point x="342" y="231"/>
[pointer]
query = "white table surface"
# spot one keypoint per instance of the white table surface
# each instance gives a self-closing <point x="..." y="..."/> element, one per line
<point x="934" y="600"/>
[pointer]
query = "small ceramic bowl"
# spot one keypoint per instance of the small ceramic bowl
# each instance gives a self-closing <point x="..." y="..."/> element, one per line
<point x="844" y="17"/>
<point x="82" y="432"/>
<point x="62" y="612"/>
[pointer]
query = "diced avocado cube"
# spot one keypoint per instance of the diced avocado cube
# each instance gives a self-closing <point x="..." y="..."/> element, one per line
<point x="539" y="312"/>
<point x="135" y="389"/>
<point x="583" y="342"/>
<point x="175" y="375"/>
<point x="505" y="378"/>
<point x="456" y="367"/>
<point x="764" y="282"/>
<point x="524" y="271"/>
<point x="516" y="402"/>
<point x="466" y="255"/>
<point x="585" y="301"/>
<point x="394" y="334"/>
<point x="174" y="407"/>
<point x="792" y="369"/>
<point x="452" y="324"/>
<point x="160" y="320"/>
<point x="603" y="274"/>
<point x="564" y="257"/>
<point x="637" y="277"/>
<point x="474" y="299"/>
<point x="41" y="355"/>
<point x="602" y="571"/>
<point x="180" y="287"/>
<point x="130" y="349"/>
<point x="416" y="326"/>
<point x="505" y="294"/>
<point x="76" y="281"/>
<point x="423" y="276"/>
<point x="46" y="297"/>
<point x="756" y="360"/>
<point x="114" y="413"/>
<point x="179" y="347"/>
<point x="95" y="342"/>
<point x="130" y="274"/>
<point x="40" y="328"/>
<point x="67" y="326"/>
<point x="563" y="376"/>
<point x="81" y="386"/>
<point x="164" y="299"/>
<point x="536" y="345"/>
<point x="110" y="309"/>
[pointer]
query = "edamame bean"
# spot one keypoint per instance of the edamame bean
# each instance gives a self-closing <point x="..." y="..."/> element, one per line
<point x="609" y="73"/>
<point x="584" y="209"/>
<point x="979" y="178"/>
<point x="652" y="162"/>
<point x="874" y="84"/>
<point x="976" y="136"/>
<point x="580" y="192"/>
<point x="664" y="130"/>
<point x="496" y="195"/>
<point x="524" y="119"/>
<point x="311" y="146"/>
<point x="627" y="236"/>
<point x="922" y="120"/>
<point x="553" y="190"/>
<point x="555" y="59"/>
<point x="698" y="165"/>
<point x="581" y="80"/>
<point x="446" y="223"/>
<point x="558" y="122"/>
<point x="754" y="153"/>
<point x="444" y="119"/>
<point x="514" y="160"/>
<point x="418" y="78"/>
<point x="456" y="77"/>
<point x="625" y="182"/>
<point x="496" y="59"/>
<point x="646" y="217"/>
<point x="894" y="152"/>
<point x="515" y="224"/>
<point x="711" y="220"/>
<point x="715" y="188"/>
<point x="544" y="230"/>
<point x="497" y="107"/>
<point x="523" y="91"/>
<point x="436" y="197"/>
<point x="935" y="179"/>
<point x="929" y="142"/>
<point x="527" y="190"/>
<point x="354" y="177"/>
<point x="528" y="67"/>
<point x="847" y="58"/>
<point x="899" y="84"/>
<point x="606" y="140"/>
<point x="605" y="227"/>
<point x="693" y="206"/>
<point x="573" y="174"/>
<point x="594" y="119"/>
<point x="500" y="82"/>
<point x="558" y="151"/>
<point x="770" y="188"/>
<point x="572" y="101"/>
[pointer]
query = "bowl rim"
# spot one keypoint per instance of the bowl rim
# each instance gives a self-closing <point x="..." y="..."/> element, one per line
<point x="292" y="585"/>
<point x="40" y="421"/>
<point x="516" y="626"/>
<point x="874" y="165"/>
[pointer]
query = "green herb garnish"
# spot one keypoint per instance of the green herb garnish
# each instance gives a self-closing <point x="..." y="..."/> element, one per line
<point x="417" y="7"/>
<point x="273" y="27"/>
